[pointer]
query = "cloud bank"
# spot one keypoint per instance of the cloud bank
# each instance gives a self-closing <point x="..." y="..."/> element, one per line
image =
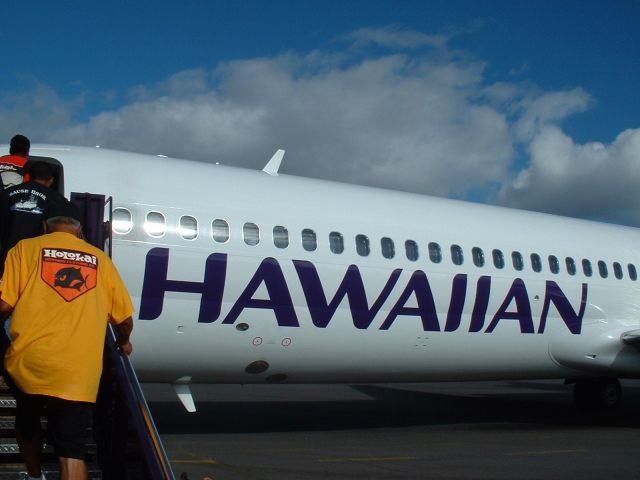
<point x="396" y="108"/>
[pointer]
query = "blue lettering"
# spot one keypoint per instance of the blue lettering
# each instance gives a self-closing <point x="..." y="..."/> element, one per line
<point x="279" y="300"/>
<point x="458" y="294"/>
<point x="419" y="286"/>
<point x="269" y="273"/>
<point x="554" y="295"/>
<point x="156" y="284"/>
<point x="481" y="304"/>
<point x="351" y="286"/>
<point x="517" y="292"/>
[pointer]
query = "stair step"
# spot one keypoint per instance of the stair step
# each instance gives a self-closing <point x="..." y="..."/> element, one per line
<point x="130" y="459"/>
<point x="13" y="448"/>
<point x="51" y="472"/>
<point x="9" y="448"/>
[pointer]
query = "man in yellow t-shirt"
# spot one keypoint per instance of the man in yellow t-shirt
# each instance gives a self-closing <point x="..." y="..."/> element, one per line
<point x="60" y="292"/>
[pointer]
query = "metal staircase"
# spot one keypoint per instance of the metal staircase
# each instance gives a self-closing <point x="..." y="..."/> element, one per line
<point x="126" y="444"/>
<point x="11" y="465"/>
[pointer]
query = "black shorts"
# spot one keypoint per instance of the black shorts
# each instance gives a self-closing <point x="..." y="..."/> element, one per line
<point x="68" y="422"/>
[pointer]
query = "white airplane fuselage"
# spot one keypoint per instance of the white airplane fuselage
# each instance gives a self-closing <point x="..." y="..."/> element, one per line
<point x="232" y="311"/>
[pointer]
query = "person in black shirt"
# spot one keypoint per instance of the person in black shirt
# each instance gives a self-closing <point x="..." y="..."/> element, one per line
<point x="23" y="207"/>
<point x="22" y="210"/>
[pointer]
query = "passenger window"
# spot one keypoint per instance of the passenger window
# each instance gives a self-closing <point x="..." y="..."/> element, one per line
<point x="251" y="234"/>
<point x="309" y="240"/>
<point x="586" y="267"/>
<point x="336" y="242"/>
<point x="362" y="245"/>
<point x="571" y="265"/>
<point x="602" y="268"/>
<point x="155" y="224"/>
<point x="633" y="273"/>
<point x="188" y="227"/>
<point x="220" y="230"/>
<point x="518" y="262"/>
<point x="617" y="270"/>
<point x="411" y="249"/>
<point x="456" y="255"/>
<point x="554" y="264"/>
<point x="498" y="258"/>
<point x="388" y="248"/>
<point x="536" y="262"/>
<point x="435" y="253"/>
<point x="122" y="222"/>
<point x="280" y="236"/>
<point x="478" y="256"/>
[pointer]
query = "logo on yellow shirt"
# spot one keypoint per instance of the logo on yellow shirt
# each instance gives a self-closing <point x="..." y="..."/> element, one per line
<point x="69" y="272"/>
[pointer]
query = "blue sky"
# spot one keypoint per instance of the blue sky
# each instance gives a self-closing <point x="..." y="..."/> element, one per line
<point x="520" y="103"/>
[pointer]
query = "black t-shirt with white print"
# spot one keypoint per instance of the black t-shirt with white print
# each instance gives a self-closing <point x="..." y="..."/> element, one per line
<point x="24" y="211"/>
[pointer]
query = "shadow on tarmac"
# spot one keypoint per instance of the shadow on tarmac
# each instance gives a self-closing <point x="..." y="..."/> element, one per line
<point x="525" y="403"/>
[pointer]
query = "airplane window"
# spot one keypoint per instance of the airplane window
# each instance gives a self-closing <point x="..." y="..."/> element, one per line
<point x="280" y="236"/>
<point x="554" y="265"/>
<point x="617" y="270"/>
<point x="536" y="262"/>
<point x="309" y="241"/>
<point x="435" y="254"/>
<point x="155" y="224"/>
<point x="362" y="245"/>
<point x="220" y="230"/>
<point x="518" y="262"/>
<point x="188" y="227"/>
<point x="251" y="234"/>
<point x="571" y="265"/>
<point x="122" y="222"/>
<point x="633" y="273"/>
<point x="411" y="249"/>
<point x="602" y="268"/>
<point x="388" y="248"/>
<point x="456" y="254"/>
<point x="586" y="267"/>
<point x="478" y="256"/>
<point x="498" y="258"/>
<point x="336" y="242"/>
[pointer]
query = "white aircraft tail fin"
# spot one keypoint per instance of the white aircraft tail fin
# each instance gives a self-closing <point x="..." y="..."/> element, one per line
<point x="273" y="165"/>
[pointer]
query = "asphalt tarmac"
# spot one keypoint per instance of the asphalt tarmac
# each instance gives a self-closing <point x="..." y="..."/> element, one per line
<point x="479" y="430"/>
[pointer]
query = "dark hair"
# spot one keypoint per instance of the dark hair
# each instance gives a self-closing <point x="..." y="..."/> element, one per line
<point x="20" y="145"/>
<point x="40" y="170"/>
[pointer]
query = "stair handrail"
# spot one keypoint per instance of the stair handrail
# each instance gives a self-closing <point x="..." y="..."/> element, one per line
<point x="152" y="448"/>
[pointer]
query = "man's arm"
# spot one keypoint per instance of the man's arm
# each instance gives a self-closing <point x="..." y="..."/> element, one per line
<point x="124" y="330"/>
<point x="5" y="312"/>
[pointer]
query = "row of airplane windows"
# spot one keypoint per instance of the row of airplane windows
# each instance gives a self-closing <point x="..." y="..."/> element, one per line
<point x="155" y="225"/>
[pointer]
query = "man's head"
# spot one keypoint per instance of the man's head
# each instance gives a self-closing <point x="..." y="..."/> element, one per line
<point x="41" y="173"/>
<point x="64" y="216"/>
<point x="20" y="145"/>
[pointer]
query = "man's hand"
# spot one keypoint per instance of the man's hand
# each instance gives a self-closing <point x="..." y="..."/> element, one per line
<point x="5" y="311"/>
<point x="126" y="347"/>
<point x="124" y="331"/>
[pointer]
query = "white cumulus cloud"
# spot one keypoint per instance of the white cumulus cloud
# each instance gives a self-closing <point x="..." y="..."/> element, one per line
<point x="589" y="180"/>
<point x="410" y="118"/>
<point x="391" y="121"/>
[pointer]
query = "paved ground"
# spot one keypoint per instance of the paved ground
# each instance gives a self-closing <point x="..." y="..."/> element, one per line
<point x="487" y="430"/>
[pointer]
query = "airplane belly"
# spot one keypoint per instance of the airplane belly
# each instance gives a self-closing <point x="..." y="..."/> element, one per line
<point x="227" y="354"/>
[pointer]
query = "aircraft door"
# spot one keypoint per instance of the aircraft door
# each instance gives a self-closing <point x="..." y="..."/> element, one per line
<point x="96" y="212"/>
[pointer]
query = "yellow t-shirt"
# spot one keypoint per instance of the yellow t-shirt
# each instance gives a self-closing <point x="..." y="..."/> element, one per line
<point x="63" y="292"/>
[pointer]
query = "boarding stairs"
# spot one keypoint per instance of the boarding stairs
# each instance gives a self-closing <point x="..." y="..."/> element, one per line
<point x="126" y="444"/>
